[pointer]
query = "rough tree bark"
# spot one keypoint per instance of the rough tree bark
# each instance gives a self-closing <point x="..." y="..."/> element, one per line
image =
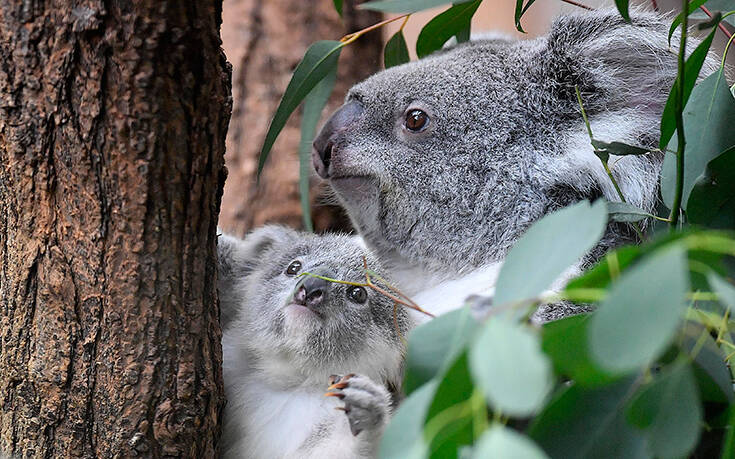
<point x="112" y="127"/>
<point x="265" y="40"/>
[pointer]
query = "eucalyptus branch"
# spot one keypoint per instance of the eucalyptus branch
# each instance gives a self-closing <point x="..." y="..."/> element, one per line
<point x="603" y="156"/>
<point x="679" y="108"/>
<point x="349" y="38"/>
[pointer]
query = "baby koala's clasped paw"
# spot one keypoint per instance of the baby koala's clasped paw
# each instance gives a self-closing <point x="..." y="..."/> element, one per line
<point x="367" y="403"/>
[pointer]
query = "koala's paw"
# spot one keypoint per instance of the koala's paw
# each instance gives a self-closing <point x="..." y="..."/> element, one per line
<point x="367" y="403"/>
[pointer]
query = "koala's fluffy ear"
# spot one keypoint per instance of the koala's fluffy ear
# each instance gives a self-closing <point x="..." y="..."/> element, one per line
<point x="615" y="64"/>
<point x="237" y="258"/>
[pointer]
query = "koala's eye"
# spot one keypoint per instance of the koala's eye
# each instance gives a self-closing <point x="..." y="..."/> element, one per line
<point x="416" y="120"/>
<point x="357" y="294"/>
<point x="293" y="268"/>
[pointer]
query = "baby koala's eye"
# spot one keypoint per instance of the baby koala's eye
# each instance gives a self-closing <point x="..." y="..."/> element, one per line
<point x="416" y="120"/>
<point x="293" y="268"/>
<point x="357" y="294"/>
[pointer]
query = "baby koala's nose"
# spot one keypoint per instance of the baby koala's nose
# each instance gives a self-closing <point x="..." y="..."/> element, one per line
<point x="313" y="290"/>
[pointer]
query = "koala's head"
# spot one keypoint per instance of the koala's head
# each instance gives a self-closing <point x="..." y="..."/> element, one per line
<point x="446" y="161"/>
<point x="282" y="314"/>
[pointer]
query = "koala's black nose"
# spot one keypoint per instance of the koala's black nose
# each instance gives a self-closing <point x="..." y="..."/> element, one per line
<point x="324" y="142"/>
<point x="312" y="291"/>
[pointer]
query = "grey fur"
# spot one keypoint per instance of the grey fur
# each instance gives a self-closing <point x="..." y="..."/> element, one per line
<point x="278" y="360"/>
<point x="506" y="143"/>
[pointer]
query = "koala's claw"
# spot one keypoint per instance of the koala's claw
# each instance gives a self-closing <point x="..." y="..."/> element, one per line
<point x="366" y="402"/>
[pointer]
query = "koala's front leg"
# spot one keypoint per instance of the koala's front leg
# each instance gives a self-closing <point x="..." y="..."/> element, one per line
<point x="367" y="406"/>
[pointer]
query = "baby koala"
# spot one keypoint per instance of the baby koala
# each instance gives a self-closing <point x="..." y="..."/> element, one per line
<point x="288" y="335"/>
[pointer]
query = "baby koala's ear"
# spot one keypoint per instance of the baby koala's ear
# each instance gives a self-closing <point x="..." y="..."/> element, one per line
<point x="238" y="258"/>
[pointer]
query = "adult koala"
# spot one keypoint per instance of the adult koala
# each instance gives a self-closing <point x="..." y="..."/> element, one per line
<point x="443" y="163"/>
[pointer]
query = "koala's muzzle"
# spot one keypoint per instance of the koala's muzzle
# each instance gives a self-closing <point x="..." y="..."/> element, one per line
<point x="343" y="118"/>
<point x="312" y="291"/>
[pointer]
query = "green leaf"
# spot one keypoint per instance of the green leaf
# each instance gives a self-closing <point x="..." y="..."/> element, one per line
<point x="728" y="444"/>
<point x="669" y="412"/>
<point x="506" y="362"/>
<point x="693" y="5"/>
<point x="443" y="26"/>
<point x="338" y="6"/>
<point x="624" y="212"/>
<point x="588" y="423"/>
<point x="320" y="59"/>
<point x="618" y="148"/>
<point x="435" y="344"/>
<point x="641" y="313"/>
<point x="693" y="66"/>
<point x="396" y="51"/>
<point x="708" y="121"/>
<point x="502" y="442"/>
<point x="725" y="291"/>
<point x="623" y="9"/>
<point x="313" y="106"/>
<point x="565" y="342"/>
<point x="406" y="6"/>
<point x="520" y="11"/>
<point x="710" y="369"/>
<point x="464" y="35"/>
<point x="607" y="269"/>
<point x="547" y="249"/>
<point x="404" y="436"/>
<point x="455" y="387"/>
<point x="712" y="199"/>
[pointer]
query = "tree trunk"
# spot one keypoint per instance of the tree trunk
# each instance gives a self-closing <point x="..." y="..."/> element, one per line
<point x="112" y="125"/>
<point x="265" y="40"/>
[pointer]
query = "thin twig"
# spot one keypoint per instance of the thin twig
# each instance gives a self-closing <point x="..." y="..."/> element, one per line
<point x="579" y="5"/>
<point x="349" y="38"/>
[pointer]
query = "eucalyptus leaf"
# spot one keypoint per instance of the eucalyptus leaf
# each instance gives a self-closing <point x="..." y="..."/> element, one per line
<point x="396" y="51"/>
<point x="436" y="343"/>
<point x="313" y="105"/>
<point x="712" y="199"/>
<point x="404" y="436"/>
<point x="507" y="364"/>
<point x="443" y="26"/>
<point x="724" y="289"/>
<point x="502" y="442"/>
<point x="406" y="6"/>
<point x="641" y="312"/>
<point x="455" y="387"/>
<point x="338" y="6"/>
<point x="547" y="249"/>
<point x="618" y="148"/>
<point x="623" y="9"/>
<point x="710" y="369"/>
<point x="520" y="10"/>
<point x="320" y="59"/>
<point x="588" y="423"/>
<point x="565" y="342"/>
<point x="728" y="444"/>
<point x="669" y="412"/>
<point x="624" y="212"/>
<point x="693" y="5"/>
<point x="693" y="66"/>
<point x="708" y="125"/>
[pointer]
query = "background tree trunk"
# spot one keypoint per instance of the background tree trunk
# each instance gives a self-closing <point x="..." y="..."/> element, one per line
<point x="112" y="124"/>
<point x="265" y="40"/>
